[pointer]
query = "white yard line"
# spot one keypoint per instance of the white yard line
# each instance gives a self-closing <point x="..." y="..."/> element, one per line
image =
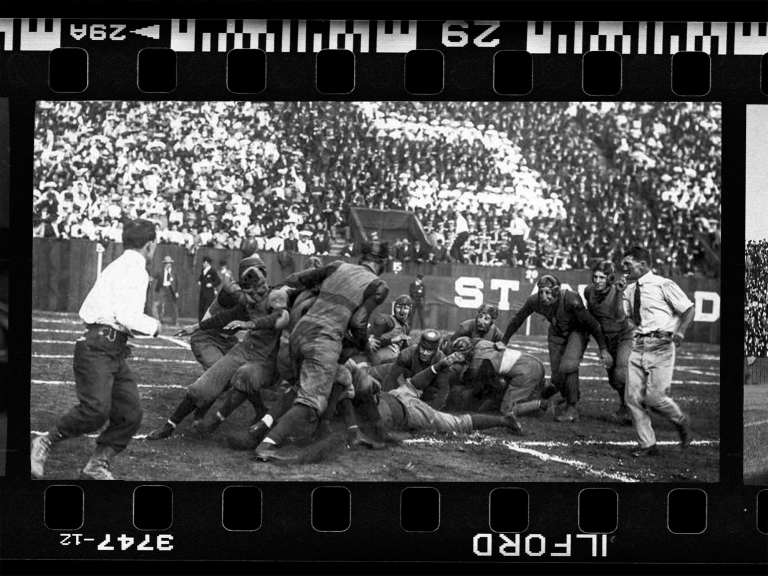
<point x="692" y="382"/>
<point x="519" y="446"/>
<point x="607" y="399"/>
<point x="139" y="358"/>
<point x="178" y="343"/>
<point x="136" y="437"/>
<point x="72" y="383"/>
<point x="578" y="464"/>
<point x="758" y="423"/>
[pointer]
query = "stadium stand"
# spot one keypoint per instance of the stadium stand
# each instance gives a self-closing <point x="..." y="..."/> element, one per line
<point x="588" y="178"/>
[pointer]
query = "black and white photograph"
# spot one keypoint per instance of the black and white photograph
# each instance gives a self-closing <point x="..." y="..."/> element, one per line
<point x="755" y="300"/>
<point x="379" y="291"/>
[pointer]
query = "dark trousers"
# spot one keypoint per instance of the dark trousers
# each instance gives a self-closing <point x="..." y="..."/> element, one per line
<point x="456" y="254"/>
<point x="106" y="389"/>
<point x="517" y="246"/>
<point x="620" y="348"/>
<point x="166" y="304"/>
<point x="418" y="308"/>
<point x="209" y="348"/>
<point x="565" y="354"/>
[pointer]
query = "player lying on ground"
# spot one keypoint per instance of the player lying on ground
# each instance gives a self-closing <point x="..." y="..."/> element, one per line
<point x="250" y="365"/>
<point x="403" y="408"/>
<point x="497" y="379"/>
<point x="604" y="302"/>
<point x="569" y="327"/>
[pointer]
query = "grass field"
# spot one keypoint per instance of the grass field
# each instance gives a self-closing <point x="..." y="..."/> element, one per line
<point x="592" y="449"/>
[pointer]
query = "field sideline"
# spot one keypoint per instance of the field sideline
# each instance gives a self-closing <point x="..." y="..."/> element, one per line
<point x="593" y="449"/>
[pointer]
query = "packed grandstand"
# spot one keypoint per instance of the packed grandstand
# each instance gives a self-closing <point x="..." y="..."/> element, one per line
<point x="589" y="179"/>
<point x="756" y="302"/>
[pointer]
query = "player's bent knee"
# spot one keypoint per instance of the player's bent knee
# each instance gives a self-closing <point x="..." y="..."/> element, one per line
<point x="133" y="417"/>
<point x="656" y="400"/>
<point x="248" y="379"/>
<point x="570" y="366"/>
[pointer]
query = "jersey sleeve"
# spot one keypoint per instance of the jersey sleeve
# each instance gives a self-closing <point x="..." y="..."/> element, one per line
<point x="575" y="305"/>
<point x="528" y="308"/>
<point x="375" y="294"/>
<point x="464" y="329"/>
<point x="238" y="312"/>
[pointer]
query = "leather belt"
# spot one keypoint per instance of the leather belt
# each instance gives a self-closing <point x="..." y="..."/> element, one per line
<point x="656" y="334"/>
<point x="108" y="332"/>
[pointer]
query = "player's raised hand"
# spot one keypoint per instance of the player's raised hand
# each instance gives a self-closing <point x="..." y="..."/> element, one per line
<point x="620" y="282"/>
<point x="607" y="359"/>
<point x="454" y="358"/>
<point x="373" y="344"/>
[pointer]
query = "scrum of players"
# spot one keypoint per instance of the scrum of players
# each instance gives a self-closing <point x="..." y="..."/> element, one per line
<point x="324" y="352"/>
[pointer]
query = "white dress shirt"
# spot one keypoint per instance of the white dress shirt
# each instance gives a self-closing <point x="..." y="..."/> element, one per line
<point x="662" y="304"/>
<point x="119" y="296"/>
<point x="461" y="224"/>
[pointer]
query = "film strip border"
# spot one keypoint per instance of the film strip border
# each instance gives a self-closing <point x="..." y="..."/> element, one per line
<point x="388" y="36"/>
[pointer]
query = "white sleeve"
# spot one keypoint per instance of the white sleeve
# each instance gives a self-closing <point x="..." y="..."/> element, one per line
<point x="675" y="297"/>
<point x="130" y="294"/>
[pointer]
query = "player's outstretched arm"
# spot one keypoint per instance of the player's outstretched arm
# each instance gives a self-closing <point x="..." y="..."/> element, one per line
<point x="528" y="308"/>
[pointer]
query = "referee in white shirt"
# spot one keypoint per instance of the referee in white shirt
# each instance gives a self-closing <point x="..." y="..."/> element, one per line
<point x="661" y="314"/>
<point x="105" y="385"/>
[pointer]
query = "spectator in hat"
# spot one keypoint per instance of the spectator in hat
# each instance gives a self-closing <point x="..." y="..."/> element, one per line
<point x="167" y="292"/>
<point x="421" y="253"/>
<point x="306" y="246"/>
<point x="291" y="244"/>
<point x="323" y="242"/>
<point x="441" y="253"/>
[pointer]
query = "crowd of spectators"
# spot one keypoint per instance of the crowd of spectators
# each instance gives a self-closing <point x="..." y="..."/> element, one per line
<point x="756" y="300"/>
<point x="587" y="178"/>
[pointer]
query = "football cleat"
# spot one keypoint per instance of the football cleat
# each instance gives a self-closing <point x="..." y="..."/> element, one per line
<point x="570" y="415"/>
<point x="41" y="447"/>
<point x="161" y="432"/>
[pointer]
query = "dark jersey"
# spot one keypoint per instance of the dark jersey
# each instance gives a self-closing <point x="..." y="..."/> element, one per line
<point x="468" y="328"/>
<point x="348" y="294"/>
<point x="263" y="338"/>
<point x="407" y="364"/>
<point x="566" y="314"/>
<point x="606" y="308"/>
<point x="385" y="327"/>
